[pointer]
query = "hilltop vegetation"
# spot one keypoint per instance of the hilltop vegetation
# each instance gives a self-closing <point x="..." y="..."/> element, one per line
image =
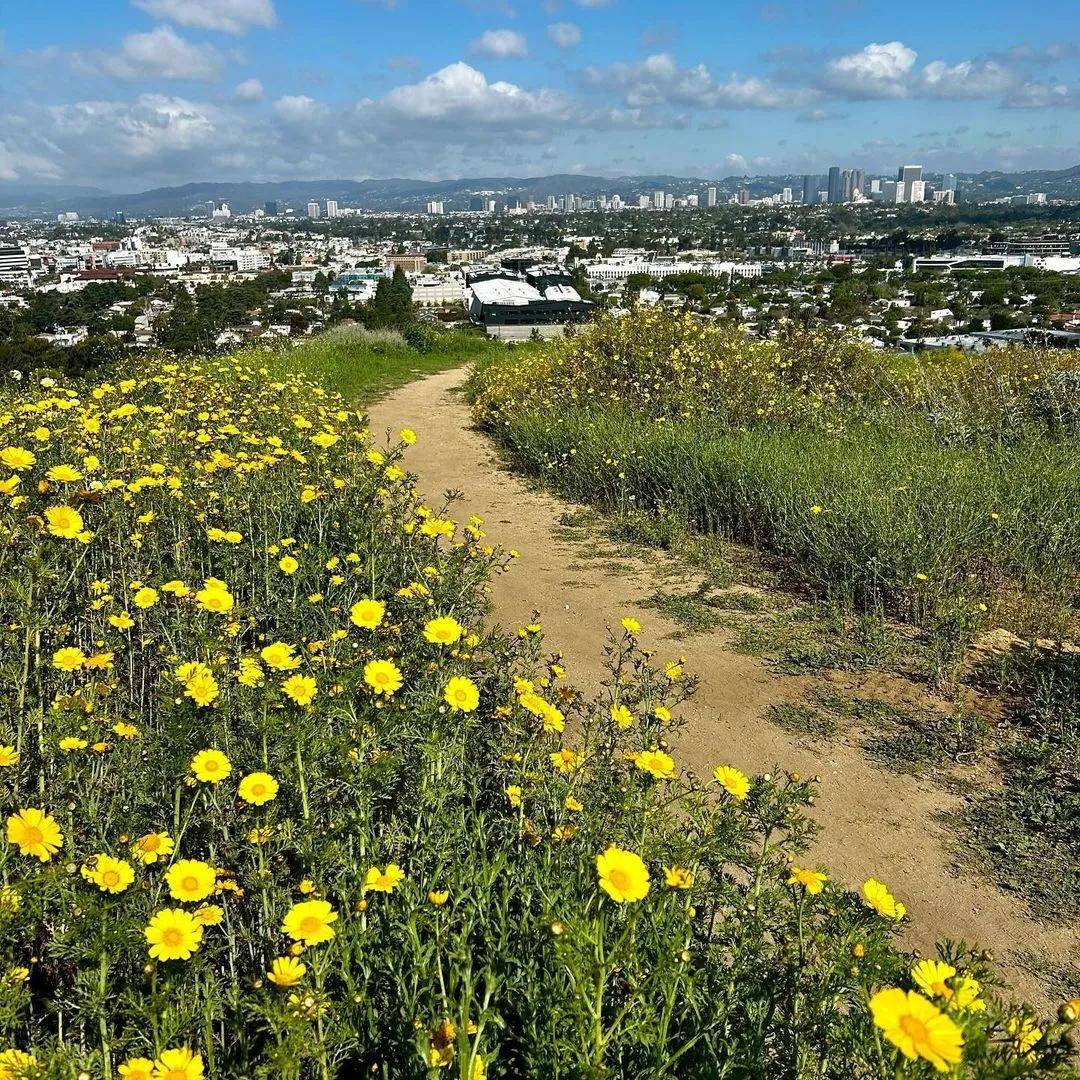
<point x="278" y="804"/>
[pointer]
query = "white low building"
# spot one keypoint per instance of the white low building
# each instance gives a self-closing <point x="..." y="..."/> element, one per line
<point x="615" y="272"/>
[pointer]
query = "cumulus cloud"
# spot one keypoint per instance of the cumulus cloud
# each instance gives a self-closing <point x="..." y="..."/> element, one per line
<point x="875" y="71"/>
<point x="229" y="16"/>
<point x="249" y="90"/>
<point x="566" y="35"/>
<point x="1043" y="95"/>
<point x="658" y="81"/>
<point x="502" y="44"/>
<point x="160" y="53"/>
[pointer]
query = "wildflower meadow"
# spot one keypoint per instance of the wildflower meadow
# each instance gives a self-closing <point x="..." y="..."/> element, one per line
<point x="277" y="802"/>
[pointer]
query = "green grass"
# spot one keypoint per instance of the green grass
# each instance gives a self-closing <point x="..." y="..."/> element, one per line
<point x="365" y="365"/>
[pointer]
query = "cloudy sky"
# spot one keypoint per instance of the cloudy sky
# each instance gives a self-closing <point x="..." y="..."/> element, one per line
<point x="130" y="94"/>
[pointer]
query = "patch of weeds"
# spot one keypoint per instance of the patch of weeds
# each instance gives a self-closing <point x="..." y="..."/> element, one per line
<point x="695" y="612"/>
<point x="660" y="528"/>
<point x="801" y="718"/>
<point x="914" y="739"/>
<point x="1026" y="834"/>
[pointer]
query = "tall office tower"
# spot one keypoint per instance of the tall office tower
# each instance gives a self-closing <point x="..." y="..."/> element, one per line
<point x="915" y="191"/>
<point x="785" y="195"/>
<point x="892" y="191"/>
<point x="810" y="189"/>
<point x="710" y="196"/>
<point x="551" y="202"/>
<point x="643" y="202"/>
<point x="331" y="208"/>
<point x="270" y="208"/>
<point x="875" y="186"/>
<point x="744" y="196"/>
<point x="949" y="183"/>
<point x="836" y="182"/>
<point x="858" y="182"/>
<point x="313" y="210"/>
<point x="908" y="174"/>
<point x="658" y="200"/>
<point x="845" y="185"/>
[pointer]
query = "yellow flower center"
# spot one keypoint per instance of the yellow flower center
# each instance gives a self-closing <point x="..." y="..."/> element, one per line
<point x="190" y="884"/>
<point x="110" y="877"/>
<point x="620" y="879"/>
<point x="914" y="1028"/>
<point x="311" y="925"/>
<point x="172" y="936"/>
<point x="33" y="835"/>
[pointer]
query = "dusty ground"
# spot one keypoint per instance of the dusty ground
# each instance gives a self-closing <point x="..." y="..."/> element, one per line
<point x="877" y="823"/>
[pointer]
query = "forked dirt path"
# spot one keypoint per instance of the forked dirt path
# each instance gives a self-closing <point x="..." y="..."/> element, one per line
<point x="876" y="823"/>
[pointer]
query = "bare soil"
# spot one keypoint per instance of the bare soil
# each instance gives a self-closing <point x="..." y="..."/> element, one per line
<point x="877" y="823"/>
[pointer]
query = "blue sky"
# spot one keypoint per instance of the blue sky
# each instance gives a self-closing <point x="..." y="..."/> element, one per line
<point x="128" y="94"/>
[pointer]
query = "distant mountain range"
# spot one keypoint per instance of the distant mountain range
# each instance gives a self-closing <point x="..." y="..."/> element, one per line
<point x="22" y="200"/>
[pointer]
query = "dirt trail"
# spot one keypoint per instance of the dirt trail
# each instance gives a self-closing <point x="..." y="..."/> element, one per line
<point x="877" y="823"/>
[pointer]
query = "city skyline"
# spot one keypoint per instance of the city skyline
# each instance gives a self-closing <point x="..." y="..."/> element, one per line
<point x="147" y="93"/>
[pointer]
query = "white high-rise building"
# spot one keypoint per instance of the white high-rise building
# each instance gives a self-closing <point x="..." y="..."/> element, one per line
<point x="331" y="208"/>
<point x="658" y="200"/>
<point x="710" y="195"/>
<point x="313" y="211"/>
<point x="643" y="202"/>
<point x="785" y="195"/>
<point x="916" y="191"/>
<point x="435" y="207"/>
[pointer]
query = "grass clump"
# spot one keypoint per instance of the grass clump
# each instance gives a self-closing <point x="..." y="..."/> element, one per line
<point x="278" y="804"/>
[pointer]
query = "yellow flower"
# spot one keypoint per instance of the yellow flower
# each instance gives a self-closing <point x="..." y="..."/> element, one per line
<point x="736" y="783"/>
<point x="932" y="977"/>
<point x="15" y="1063"/>
<point x="209" y="914"/>
<point x="813" y="881"/>
<point x="437" y="898"/>
<point x="35" y="833"/>
<point x="64" y="522"/>
<point x="622" y="716"/>
<point x="64" y="474"/>
<point x="407" y="436"/>
<point x="17" y="459"/>
<point x="9" y="756"/>
<point x="124" y="730"/>
<point x="623" y="876"/>
<point x="145" y="597"/>
<point x="300" y="688"/>
<point x="1025" y="1034"/>
<point x="123" y="621"/>
<point x="384" y="881"/>
<point x="69" y="659"/>
<point x="136" y="1069"/>
<point x="190" y="880"/>
<point x="367" y="614"/>
<point x="662" y="713"/>
<point x="286" y="971"/>
<point x="210" y="766"/>
<point x="461" y="694"/>
<point x="153" y="847"/>
<point x="656" y="763"/>
<point x="673" y="670"/>
<point x="280" y="656"/>
<point x="513" y="795"/>
<point x="176" y="588"/>
<point x="567" y="761"/>
<point x="288" y="565"/>
<point x="178" y="1064"/>
<point x="917" y="1028"/>
<point x="215" y="597"/>
<point x="443" y="630"/>
<point x="108" y="874"/>
<point x="572" y="804"/>
<point x="883" y="901"/>
<point x="173" y="934"/>
<point x="258" y="788"/>
<point x="383" y="676"/>
<point x="678" y="878"/>
<point x="309" y="922"/>
<point x="630" y="625"/>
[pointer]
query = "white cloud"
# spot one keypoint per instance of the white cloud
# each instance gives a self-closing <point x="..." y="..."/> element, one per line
<point x="1043" y="95"/>
<point x="160" y="53"/>
<point x="876" y="71"/>
<point x="967" y="79"/>
<point x="566" y="35"/>
<point x="658" y="80"/>
<point x="502" y="44"/>
<point x="230" y="16"/>
<point x="249" y="90"/>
